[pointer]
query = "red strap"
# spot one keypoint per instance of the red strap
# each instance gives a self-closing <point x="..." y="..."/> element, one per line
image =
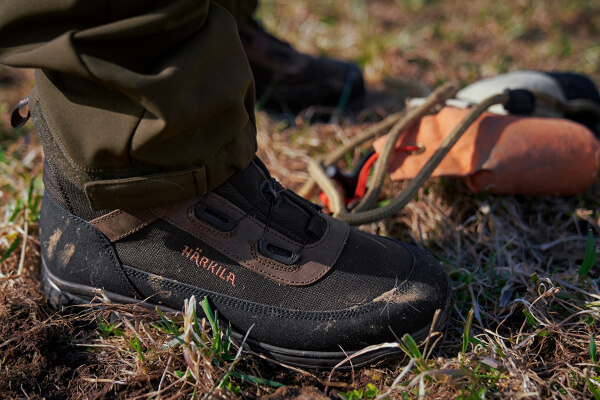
<point x="363" y="176"/>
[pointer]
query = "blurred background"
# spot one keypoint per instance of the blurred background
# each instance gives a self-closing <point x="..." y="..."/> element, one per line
<point x="433" y="41"/>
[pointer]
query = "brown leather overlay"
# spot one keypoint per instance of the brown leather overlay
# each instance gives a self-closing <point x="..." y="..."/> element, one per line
<point x="240" y="245"/>
<point x="120" y="223"/>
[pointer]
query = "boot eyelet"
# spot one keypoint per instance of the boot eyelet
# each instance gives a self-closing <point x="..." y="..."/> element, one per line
<point x="277" y="253"/>
<point x="214" y="218"/>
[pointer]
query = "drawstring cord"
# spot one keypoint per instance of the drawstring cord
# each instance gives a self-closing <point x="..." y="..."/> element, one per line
<point x="364" y="212"/>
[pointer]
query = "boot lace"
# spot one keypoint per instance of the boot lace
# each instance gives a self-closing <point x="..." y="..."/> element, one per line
<point x="273" y="195"/>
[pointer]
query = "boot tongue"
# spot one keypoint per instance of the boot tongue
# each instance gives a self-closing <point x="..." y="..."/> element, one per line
<point x="291" y="215"/>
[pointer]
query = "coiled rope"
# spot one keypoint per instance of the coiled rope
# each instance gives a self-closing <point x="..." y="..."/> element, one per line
<point x="364" y="212"/>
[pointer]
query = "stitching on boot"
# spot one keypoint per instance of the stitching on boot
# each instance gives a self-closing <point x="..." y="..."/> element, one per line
<point x="236" y="258"/>
<point x="272" y="263"/>
<point x="112" y="215"/>
<point x="199" y="225"/>
<point x="263" y="309"/>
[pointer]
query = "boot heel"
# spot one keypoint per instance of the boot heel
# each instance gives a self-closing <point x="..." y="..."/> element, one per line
<point x="56" y="298"/>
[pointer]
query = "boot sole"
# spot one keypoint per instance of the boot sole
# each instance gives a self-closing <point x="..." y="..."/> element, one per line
<point x="61" y="294"/>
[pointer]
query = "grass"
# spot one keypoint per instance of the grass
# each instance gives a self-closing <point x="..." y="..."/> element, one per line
<point x="526" y="320"/>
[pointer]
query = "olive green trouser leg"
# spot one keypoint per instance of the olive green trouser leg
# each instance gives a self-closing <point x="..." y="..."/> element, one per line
<point x="148" y="101"/>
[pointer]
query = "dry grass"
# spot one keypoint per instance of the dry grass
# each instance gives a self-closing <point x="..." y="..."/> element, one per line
<point x="513" y="260"/>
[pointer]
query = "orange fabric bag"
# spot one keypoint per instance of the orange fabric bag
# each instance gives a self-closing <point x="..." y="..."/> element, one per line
<point x="504" y="154"/>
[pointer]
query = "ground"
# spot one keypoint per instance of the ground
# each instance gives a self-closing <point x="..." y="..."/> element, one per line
<point x="525" y="320"/>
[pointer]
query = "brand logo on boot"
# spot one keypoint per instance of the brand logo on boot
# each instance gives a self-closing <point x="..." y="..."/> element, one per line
<point x="212" y="266"/>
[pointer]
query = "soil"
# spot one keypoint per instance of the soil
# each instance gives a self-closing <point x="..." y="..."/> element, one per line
<point x="38" y="358"/>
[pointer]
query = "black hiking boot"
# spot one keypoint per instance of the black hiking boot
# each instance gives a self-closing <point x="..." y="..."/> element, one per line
<point x="288" y="81"/>
<point x="310" y="284"/>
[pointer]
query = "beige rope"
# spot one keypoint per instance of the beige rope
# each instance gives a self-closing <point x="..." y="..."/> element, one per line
<point x="571" y="106"/>
<point x="439" y="96"/>
<point x="361" y="215"/>
<point x="336" y="155"/>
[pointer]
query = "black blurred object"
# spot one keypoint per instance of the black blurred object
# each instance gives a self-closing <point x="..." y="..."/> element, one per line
<point x="578" y="86"/>
<point x="348" y="181"/>
<point x="520" y="102"/>
<point x="288" y="81"/>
